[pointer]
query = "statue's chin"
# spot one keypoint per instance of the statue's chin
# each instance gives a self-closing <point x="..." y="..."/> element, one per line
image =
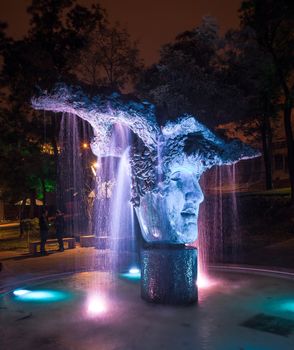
<point x="187" y="234"/>
<point x="160" y="226"/>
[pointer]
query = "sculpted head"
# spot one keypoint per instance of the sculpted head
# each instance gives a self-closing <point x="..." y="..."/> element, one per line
<point x="169" y="214"/>
<point x="166" y="192"/>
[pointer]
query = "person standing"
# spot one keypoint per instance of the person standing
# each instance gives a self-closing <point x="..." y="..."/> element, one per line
<point x="44" y="229"/>
<point x="59" y="227"/>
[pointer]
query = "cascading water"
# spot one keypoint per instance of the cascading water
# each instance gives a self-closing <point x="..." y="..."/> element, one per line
<point x="219" y="236"/>
<point x="114" y="212"/>
<point x="122" y="219"/>
<point x="73" y="180"/>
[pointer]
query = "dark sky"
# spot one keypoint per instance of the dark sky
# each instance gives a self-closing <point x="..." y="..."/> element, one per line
<point x="152" y="22"/>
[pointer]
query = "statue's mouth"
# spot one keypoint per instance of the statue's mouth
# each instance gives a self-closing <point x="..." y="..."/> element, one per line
<point x="188" y="211"/>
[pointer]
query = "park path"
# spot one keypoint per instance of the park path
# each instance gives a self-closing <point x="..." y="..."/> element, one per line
<point x="18" y="267"/>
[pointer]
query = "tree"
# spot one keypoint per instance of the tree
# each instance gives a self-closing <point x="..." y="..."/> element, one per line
<point x="188" y="78"/>
<point x="58" y="31"/>
<point x="253" y="73"/>
<point x="273" y="26"/>
<point x="25" y="169"/>
<point x="110" y="59"/>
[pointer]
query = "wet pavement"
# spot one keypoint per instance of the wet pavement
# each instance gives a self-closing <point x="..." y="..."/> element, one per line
<point x="247" y="313"/>
<point x="97" y="310"/>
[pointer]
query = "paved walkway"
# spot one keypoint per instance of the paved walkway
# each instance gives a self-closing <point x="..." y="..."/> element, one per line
<point x="9" y="225"/>
<point x="17" y="267"/>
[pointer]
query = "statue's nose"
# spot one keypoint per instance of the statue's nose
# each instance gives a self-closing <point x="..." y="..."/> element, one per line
<point x="194" y="194"/>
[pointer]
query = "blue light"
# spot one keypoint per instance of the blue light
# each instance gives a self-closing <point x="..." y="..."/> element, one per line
<point x="20" y="292"/>
<point x="40" y="295"/>
<point x="134" y="271"/>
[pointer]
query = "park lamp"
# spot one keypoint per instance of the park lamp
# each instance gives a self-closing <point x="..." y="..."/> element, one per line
<point x="85" y="145"/>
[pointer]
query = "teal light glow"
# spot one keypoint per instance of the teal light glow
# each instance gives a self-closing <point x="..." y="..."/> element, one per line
<point x="134" y="271"/>
<point x="133" y="274"/>
<point x="46" y="296"/>
<point x="288" y="306"/>
<point x="20" y="292"/>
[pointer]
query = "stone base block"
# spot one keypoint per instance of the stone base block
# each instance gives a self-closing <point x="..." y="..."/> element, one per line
<point x="169" y="275"/>
<point x="87" y="241"/>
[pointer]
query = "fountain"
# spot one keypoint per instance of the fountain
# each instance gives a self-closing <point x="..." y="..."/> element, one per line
<point x="88" y="306"/>
<point x="167" y="164"/>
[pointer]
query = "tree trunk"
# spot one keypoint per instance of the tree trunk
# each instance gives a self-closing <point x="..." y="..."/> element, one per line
<point x="44" y="191"/>
<point x="54" y="142"/>
<point x="266" y="135"/>
<point x="290" y="144"/>
<point x="22" y="215"/>
<point x="32" y="204"/>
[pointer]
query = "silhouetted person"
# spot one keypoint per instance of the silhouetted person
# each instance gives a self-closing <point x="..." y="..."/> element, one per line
<point x="44" y="229"/>
<point x="21" y="225"/>
<point x="59" y="226"/>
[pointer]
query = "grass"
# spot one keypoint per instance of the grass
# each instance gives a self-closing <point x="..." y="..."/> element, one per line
<point x="14" y="242"/>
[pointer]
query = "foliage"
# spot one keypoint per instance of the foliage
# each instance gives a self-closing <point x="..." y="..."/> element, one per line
<point x="57" y="29"/>
<point x="272" y="23"/>
<point x="110" y="59"/>
<point x="22" y="160"/>
<point x="60" y="33"/>
<point x="254" y="74"/>
<point x="189" y="77"/>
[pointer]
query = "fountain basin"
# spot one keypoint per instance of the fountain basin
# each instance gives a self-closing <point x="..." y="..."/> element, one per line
<point x="104" y="311"/>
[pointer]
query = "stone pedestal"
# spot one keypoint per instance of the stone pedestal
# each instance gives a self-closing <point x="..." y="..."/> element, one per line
<point x="87" y="241"/>
<point x="169" y="274"/>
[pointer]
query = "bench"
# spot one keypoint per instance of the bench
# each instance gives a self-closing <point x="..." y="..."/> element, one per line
<point x="87" y="241"/>
<point x="33" y="246"/>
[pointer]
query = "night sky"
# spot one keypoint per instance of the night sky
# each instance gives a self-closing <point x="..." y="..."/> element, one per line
<point x="152" y="22"/>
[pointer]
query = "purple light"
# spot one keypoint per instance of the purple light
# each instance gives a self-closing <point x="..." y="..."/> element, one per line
<point x="96" y="305"/>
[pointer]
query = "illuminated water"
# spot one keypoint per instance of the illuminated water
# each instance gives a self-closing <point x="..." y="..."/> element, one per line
<point x="122" y="231"/>
<point x="72" y="313"/>
<point x="219" y="234"/>
<point x="74" y="182"/>
<point x="114" y="216"/>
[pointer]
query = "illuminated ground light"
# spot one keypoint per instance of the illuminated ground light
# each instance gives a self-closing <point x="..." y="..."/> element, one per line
<point x="288" y="306"/>
<point x="20" y="292"/>
<point x="96" y="305"/>
<point x="40" y="295"/>
<point x="134" y="273"/>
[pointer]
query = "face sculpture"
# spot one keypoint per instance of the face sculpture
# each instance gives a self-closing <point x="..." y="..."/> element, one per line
<point x="181" y="150"/>
<point x="170" y="214"/>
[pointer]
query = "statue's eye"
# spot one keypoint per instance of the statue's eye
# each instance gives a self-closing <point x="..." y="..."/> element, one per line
<point x="176" y="176"/>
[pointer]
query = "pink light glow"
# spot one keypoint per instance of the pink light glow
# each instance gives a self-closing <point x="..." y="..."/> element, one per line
<point x="96" y="305"/>
<point x="203" y="281"/>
